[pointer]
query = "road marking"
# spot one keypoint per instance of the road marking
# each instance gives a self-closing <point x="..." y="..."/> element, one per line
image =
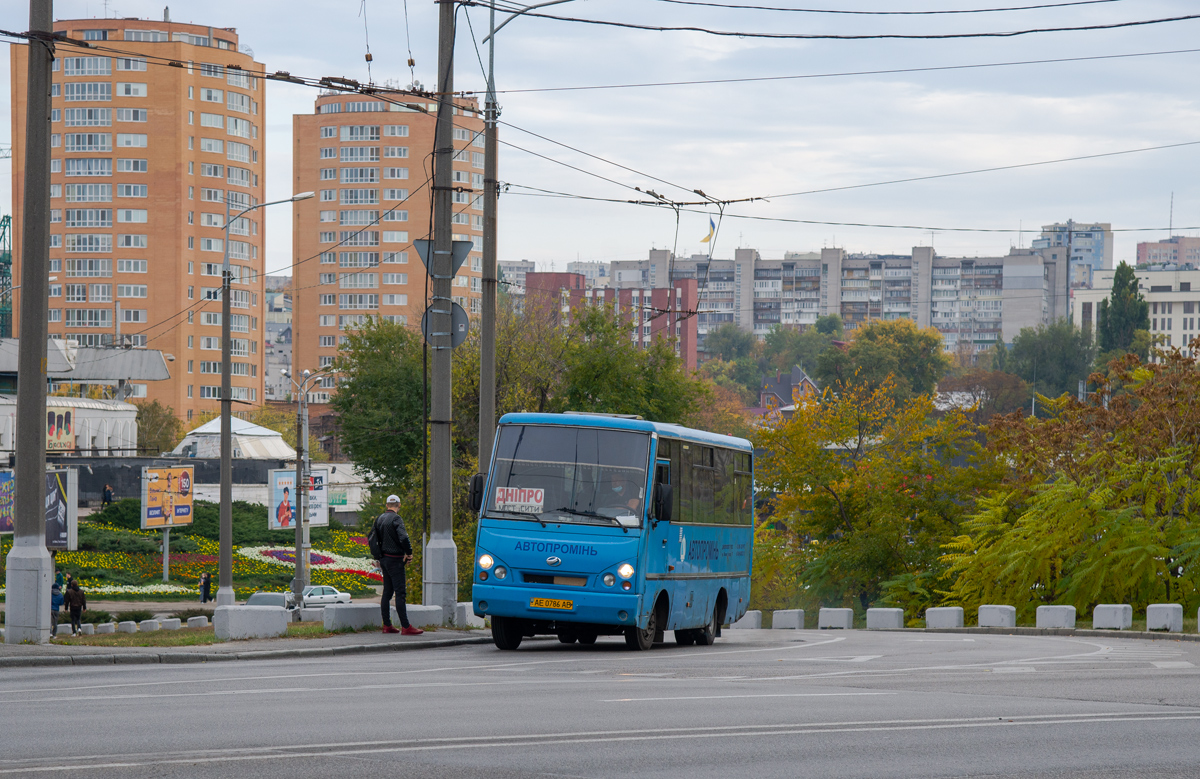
<point x="556" y="739"/>
<point x="940" y="640"/>
<point x="766" y="695"/>
<point x="1173" y="664"/>
<point x="1013" y="669"/>
<point x="847" y="659"/>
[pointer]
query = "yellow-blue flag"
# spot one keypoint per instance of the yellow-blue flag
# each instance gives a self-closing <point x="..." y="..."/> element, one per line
<point x="712" y="228"/>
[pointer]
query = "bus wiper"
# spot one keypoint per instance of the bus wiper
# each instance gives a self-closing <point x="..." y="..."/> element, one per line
<point x="538" y="517"/>
<point x="594" y="514"/>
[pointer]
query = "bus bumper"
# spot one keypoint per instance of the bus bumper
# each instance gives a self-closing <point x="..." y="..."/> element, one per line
<point x="598" y="608"/>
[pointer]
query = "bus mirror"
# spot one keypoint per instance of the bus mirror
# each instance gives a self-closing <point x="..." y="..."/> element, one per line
<point x="663" y="502"/>
<point x="478" y="481"/>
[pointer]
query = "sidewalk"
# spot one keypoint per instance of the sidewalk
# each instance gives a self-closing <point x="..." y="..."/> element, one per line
<point x="19" y="655"/>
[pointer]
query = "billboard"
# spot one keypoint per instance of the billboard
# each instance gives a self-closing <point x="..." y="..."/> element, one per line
<point x="62" y="508"/>
<point x="8" y="492"/>
<point x="281" y="514"/>
<point x="60" y="429"/>
<point x="166" y="497"/>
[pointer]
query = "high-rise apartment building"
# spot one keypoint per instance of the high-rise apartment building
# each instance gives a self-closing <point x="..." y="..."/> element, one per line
<point x="1090" y="245"/>
<point x="1183" y="249"/>
<point x="150" y="135"/>
<point x="368" y="160"/>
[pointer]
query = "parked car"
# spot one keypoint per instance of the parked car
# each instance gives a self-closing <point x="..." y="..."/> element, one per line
<point x="318" y="595"/>
<point x="284" y="599"/>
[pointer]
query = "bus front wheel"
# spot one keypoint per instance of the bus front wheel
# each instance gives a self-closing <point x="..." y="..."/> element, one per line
<point x="506" y="632"/>
<point x="643" y="638"/>
<point x="706" y="635"/>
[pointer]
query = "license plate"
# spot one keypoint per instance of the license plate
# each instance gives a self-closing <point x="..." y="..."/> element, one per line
<point x="550" y="603"/>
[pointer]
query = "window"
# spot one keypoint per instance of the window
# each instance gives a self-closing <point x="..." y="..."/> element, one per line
<point x="358" y="217"/>
<point x="479" y="140"/>
<point x="360" y="133"/>
<point x="477" y="159"/>
<point x="101" y="293"/>
<point x="328" y="258"/>
<point x="352" y="197"/>
<point x="328" y="195"/>
<point x="210" y="70"/>
<point x="131" y="114"/>
<point x="87" y="90"/>
<point x="131" y="190"/>
<point x="462" y="134"/>
<point x="87" y="66"/>
<point x="133" y="166"/>
<point x="55" y="315"/>
<point x="399" y="152"/>
<point x="214" y="145"/>
<point x="211" y="95"/>
<point x="212" y="120"/>
<point x="88" y="117"/>
<point x="212" y="245"/>
<point x="327" y="237"/>
<point x="213" y="171"/>
<point x="328" y="299"/>
<point x="89" y="268"/>
<point x="150" y="36"/>
<point x="238" y="102"/>
<point x="328" y="174"/>
<point x="328" y="278"/>
<point x="396" y="257"/>
<point x="83" y="142"/>
<point x="328" y="132"/>
<point x="235" y="78"/>
<point x="365" y="106"/>
<point x="129" y="89"/>
<point x="396" y="130"/>
<point x="84" y="243"/>
<point x="354" y="302"/>
<point x="360" y="175"/>
<point x="328" y="320"/>
<point x="395" y="194"/>
<point x="131" y="214"/>
<point x="131" y="290"/>
<point x="132" y="266"/>
<point x="395" y="216"/>
<point x="395" y="300"/>
<point x="395" y="278"/>
<point x="56" y="190"/>
<point x="55" y="90"/>
<point x="212" y="195"/>
<point x="395" y="236"/>
<point x="238" y="127"/>
<point x="55" y="215"/>
<point x="76" y="293"/>
<point x="239" y="177"/>
<point x="55" y="114"/>
<point x="130" y="63"/>
<point x="359" y="154"/>
<point x="359" y="237"/>
<point x="359" y="280"/>
<point x="328" y="216"/>
<point x="329" y="153"/>
<point x="89" y="193"/>
<point x="131" y="140"/>
<point x="89" y="167"/>
<point x="131" y="241"/>
<point x="88" y="317"/>
<point x="239" y="152"/>
<point x="395" y="173"/>
<point x="88" y="217"/>
<point x="328" y="341"/>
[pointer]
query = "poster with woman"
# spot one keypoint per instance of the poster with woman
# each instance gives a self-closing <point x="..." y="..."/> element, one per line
<point x="281" y="514"/>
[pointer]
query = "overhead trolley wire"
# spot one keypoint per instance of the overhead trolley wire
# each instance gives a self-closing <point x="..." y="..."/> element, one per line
<point x="740" y="7"/>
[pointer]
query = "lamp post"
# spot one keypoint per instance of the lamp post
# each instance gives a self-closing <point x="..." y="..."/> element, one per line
<point x="225" y="595"/>
<point x="303" y="474"/>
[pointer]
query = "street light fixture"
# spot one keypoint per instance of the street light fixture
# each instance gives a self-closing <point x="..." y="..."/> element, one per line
<point x="225" y="596"/>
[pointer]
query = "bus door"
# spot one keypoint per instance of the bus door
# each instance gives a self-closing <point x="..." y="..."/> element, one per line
<point x="658" y="540"/>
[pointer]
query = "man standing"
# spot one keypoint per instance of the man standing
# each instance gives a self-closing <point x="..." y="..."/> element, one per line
<point x="397" y="550"/>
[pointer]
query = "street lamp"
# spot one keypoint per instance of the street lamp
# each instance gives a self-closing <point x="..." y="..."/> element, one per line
<point x="303" y="474"/>
<point x="225" y="596"/>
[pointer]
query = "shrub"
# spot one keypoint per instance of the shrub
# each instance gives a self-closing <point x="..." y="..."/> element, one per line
<point x="186" y="614"/>
<point x="96" y="616"/>
<point x="136" y="615"/>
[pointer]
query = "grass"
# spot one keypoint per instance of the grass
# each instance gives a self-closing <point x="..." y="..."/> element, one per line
<point x="193" y="636"/>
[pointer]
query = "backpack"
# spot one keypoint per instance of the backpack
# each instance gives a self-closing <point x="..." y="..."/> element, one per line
<point x="374" y="542"/>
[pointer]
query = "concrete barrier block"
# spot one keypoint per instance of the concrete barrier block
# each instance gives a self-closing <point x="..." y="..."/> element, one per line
<point x="1056" y="616"/>
<point x="238" y="622"/>
<point x="997" y="616"/>
<point x="421" y="616"/>
<point x="149" y="625"/>
<point x="885" y="619"/>
<point x="1165" y="616"/>
<point x="106" y="627"/>
<point x="1112" y="616"/>
<point x="312" y="614"/>
<point x="464" y="616"/>
<point x="127" y="627"/>
<point x="842" y="619"/>
<point x="340" y="616"/>
<point x="88" y="628"/>
<point x="751" y="620"/>
<point x="197" y="622"/>
<point x="944" y="617"/>
<point x="788" y="619"/>
<point x="170" y="624"/>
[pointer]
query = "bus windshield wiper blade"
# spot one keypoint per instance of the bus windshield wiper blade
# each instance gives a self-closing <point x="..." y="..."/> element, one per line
<point x="593" y="514"/>
<point x="531" y="515"/>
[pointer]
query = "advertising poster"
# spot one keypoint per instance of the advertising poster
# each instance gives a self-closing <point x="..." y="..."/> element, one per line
<point x="58" y="532"/>
<point x="60" y="429"/>
<point x="281" y="514"/>
<point x="7" y="493"/>
<point x="166" y="497"/>
<point x="318" y="498"/>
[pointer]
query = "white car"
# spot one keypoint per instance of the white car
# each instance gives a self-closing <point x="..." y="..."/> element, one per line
<point x="318" y="595"/>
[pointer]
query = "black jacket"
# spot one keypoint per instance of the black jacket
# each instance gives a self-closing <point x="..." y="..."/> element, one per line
<point x="392" y="535"/>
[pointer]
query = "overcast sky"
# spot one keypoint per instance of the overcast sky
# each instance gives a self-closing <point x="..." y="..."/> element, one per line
<point x="761" y="139"/>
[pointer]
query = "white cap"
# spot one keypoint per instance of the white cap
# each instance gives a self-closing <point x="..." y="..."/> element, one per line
<point x="393" y="499"/>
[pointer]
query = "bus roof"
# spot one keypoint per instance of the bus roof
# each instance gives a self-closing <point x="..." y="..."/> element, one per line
<point x="623" y="423"/>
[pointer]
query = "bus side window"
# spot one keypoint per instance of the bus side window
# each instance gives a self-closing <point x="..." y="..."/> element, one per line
<point x="743" y="477"/>
<point x="724" y="503"/>
<point x="687" y="481"/>
<point x="702" y="485"/>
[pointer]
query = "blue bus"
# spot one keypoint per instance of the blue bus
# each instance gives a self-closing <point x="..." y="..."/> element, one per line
<point x="600" y="524"/>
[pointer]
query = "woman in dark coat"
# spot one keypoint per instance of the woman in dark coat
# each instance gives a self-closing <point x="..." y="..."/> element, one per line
<point x="76" y="603"/>
<point x="205" y="587"/>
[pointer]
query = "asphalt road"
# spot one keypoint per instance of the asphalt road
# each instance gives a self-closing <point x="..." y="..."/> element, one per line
<point x="758" y="703"/>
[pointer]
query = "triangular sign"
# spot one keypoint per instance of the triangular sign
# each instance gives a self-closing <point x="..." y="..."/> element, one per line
<point x="424" y="248"/>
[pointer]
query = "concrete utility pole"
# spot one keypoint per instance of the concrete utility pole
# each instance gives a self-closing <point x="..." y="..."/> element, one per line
<point x="441" y="555"/>
<point x="30" y="570"/>
<point x="487" y="327"/>
<point x="301" y="516"/>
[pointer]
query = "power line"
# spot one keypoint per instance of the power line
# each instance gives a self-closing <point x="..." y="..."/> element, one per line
<point x="846" y="37"/>
<point x="843" y="74"/>
<point x="734" y="6"/>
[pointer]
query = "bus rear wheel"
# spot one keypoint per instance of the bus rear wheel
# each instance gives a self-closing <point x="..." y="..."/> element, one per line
<point x="587" y="638"/>
<point x="506" y="632"/>
<point x="643" y="638"/>
<point x="706" y="635"/>
<point x="567" y="636"/>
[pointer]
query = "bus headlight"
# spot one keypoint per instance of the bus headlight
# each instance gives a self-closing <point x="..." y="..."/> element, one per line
<point x="625" y="571"/>
<point x="609" y="580"/>
<point x="486" y="562"/>
<point x="501" y="572"/>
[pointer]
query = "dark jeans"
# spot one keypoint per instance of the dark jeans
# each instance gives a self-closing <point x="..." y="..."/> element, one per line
<point x="76" y="615"/>
<point x="54" y="622"/>
<point x="393" y="581"/>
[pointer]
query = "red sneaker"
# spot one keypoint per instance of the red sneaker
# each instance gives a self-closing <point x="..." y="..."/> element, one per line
<point x="411" y="631"/>
<point x="390" y="629"/>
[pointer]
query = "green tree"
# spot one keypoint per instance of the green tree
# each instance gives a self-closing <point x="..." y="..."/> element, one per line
<point x="881" y="349"/>
<point x="379" y="398"/>
<point x="830" y="324"/>
<point x="786" y="347"/>
<point x="1122" y="314"/>
<point x="159" y="430"/>
<point x="730" y="342"/>
<point x="1054" y="358"/>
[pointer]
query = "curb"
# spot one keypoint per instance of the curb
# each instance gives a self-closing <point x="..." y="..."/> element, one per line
<point x="143" y="658"/>
<point x="1155" y="635"/>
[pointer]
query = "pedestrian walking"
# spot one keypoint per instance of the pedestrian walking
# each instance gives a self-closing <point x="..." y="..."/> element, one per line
<point x="107" y="497"/>
<point x="56" y="602"/>
<point x="396" y="551"/>
<point x="76" y="604"/>
<point x="205" y="587"/>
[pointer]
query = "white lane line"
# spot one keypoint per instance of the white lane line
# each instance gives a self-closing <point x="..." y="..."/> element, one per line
<point x="1173" y="664"/>
<point x="766" y="695"/>
<point x="568" y="739"/>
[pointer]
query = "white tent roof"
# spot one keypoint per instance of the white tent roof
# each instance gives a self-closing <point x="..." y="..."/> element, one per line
<point x="250" y="441"/>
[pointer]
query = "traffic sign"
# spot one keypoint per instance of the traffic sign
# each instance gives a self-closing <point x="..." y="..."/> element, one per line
<point x="459" y="324"/>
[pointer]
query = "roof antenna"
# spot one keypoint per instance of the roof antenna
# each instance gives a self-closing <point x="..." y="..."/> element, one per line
<point x="1171" y="219"/>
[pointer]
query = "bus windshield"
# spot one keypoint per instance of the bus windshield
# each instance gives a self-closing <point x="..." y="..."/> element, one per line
<point x="569" y="474"/>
